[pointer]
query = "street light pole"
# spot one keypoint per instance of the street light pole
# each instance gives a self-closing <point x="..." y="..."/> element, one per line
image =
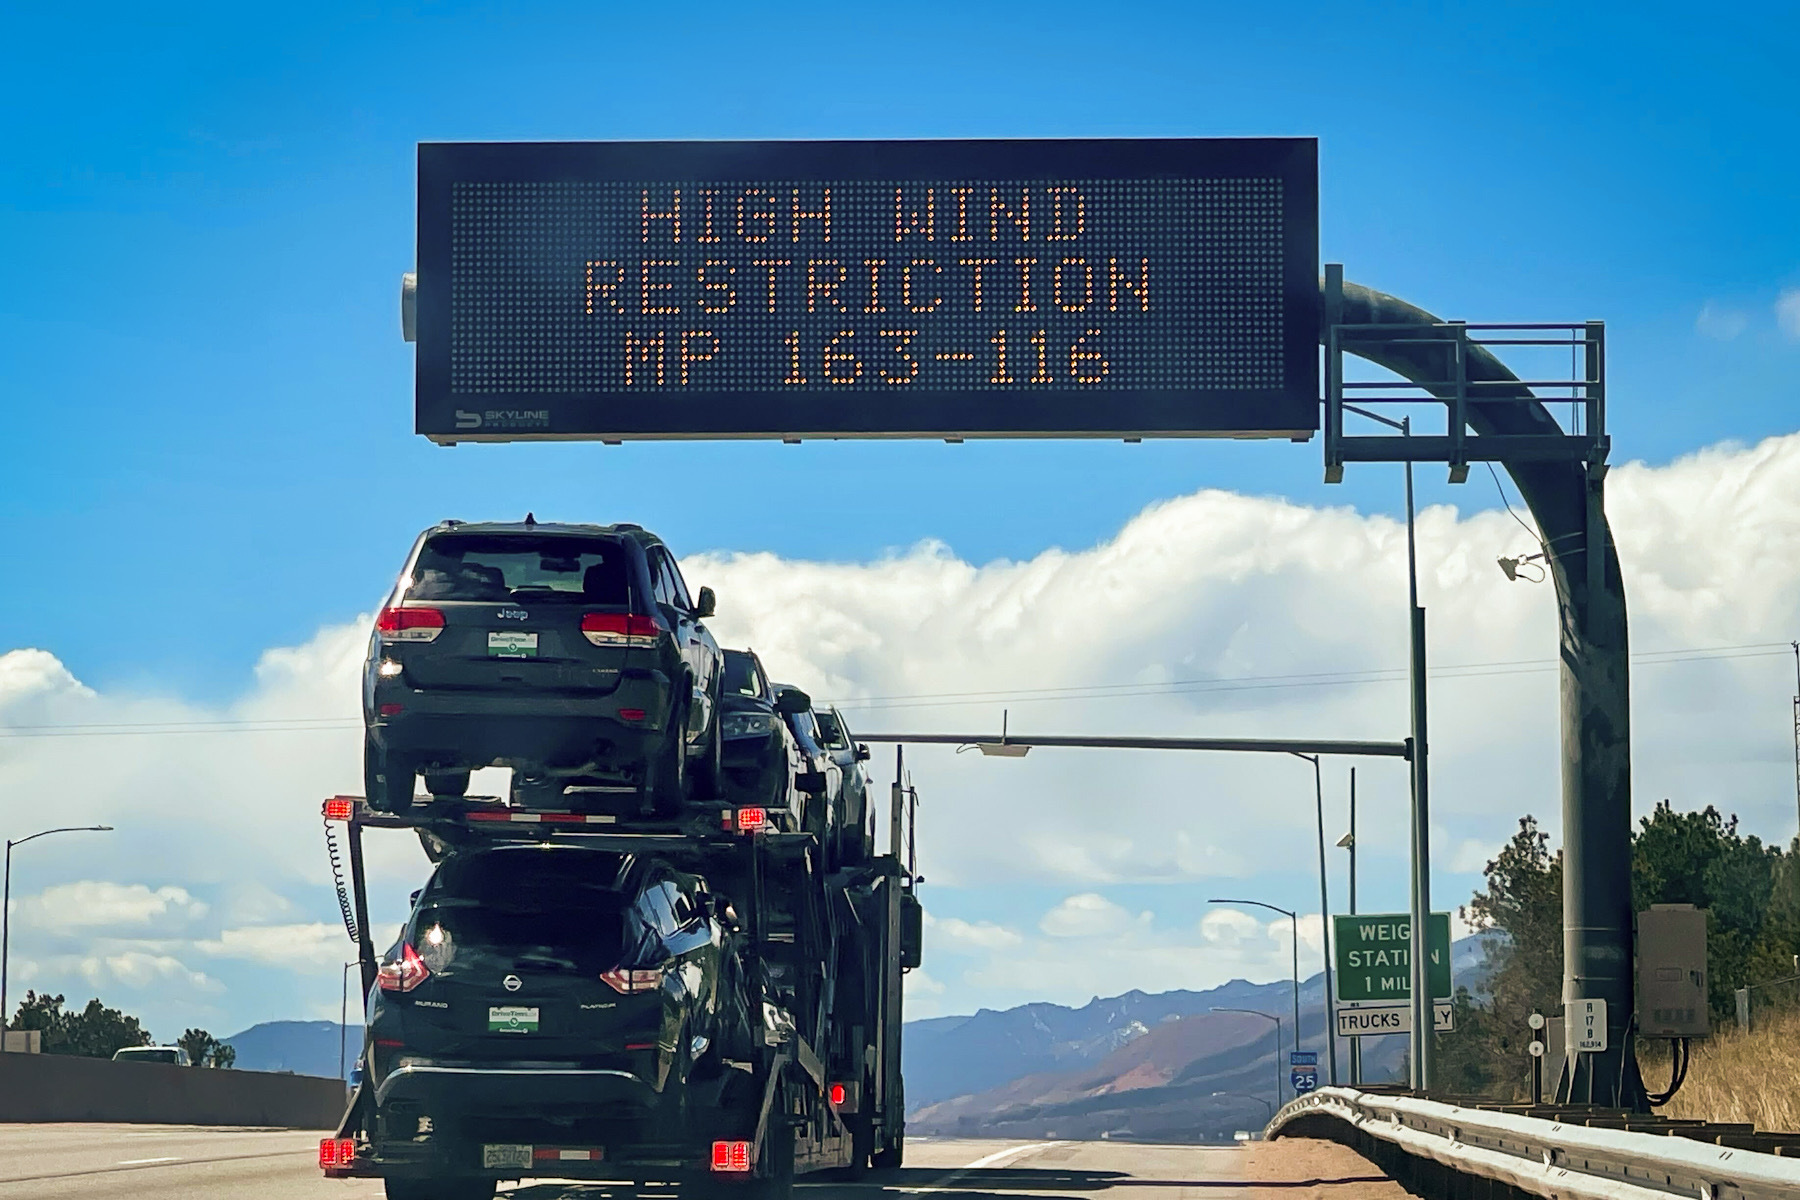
<point x="1355" y="1043"/>
<point x="1294" y="921"/>
<point x="1423" y="1048"/>
<point x="6" y="908"/>
<point x="1325" y="926"/>
<point x="1267" y="1017"/>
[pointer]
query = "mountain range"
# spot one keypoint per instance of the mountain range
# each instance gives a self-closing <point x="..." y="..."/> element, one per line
<point x="1157" y="1066"/>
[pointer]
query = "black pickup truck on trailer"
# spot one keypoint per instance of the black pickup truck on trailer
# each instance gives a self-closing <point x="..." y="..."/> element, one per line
<point x="581" y="996"/>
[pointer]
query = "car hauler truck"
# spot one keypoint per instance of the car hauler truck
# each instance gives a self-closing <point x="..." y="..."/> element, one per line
<point x="813" y="963"/>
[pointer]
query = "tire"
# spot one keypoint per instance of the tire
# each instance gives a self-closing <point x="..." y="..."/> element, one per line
<point x="708" y="782"/>
<point x="891" y="1158"/>
<point x="536" y="791"/>
<point x="387" y="779"/>
<point x="451" y="1188"/>
<point x="668" y="771"/>
<point x="447" y="783"/>
<point x="778" y="1182"/>
<point x="862" y="1144"/>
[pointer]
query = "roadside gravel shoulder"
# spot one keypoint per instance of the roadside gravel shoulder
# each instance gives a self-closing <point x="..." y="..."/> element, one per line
<point x="1311" y="1169"/>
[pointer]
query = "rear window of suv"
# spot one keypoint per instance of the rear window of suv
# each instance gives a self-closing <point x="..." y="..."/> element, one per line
<point x="501" y="567"/>
<point x="540" y="908"/>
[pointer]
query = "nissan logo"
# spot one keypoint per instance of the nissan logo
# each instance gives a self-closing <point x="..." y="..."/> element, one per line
<point x="512" y="983"/>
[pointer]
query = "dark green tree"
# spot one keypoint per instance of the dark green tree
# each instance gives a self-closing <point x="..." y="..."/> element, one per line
<point x="1521" y="905"/>
<point x="205" y="1050"/>
<point x="95" y="1032"/>
<point x="1700" y="858"/>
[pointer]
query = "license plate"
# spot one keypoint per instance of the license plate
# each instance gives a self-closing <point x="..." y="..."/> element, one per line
<point x="512" y="643"/>
<point x="506" y="1155"/>
<point x="510" y="1018"/>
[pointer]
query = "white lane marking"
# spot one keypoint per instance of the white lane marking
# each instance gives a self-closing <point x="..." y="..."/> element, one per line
<point x="139" y="1162"/>
<point x="943" y="1182"/>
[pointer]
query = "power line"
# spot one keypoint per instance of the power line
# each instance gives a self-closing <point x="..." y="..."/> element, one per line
<point x="1274" y="682"/>
<point x="1104" y="691"/>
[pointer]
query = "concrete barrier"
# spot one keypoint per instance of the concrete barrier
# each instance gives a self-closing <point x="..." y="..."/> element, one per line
<point x="60" y="1087"/>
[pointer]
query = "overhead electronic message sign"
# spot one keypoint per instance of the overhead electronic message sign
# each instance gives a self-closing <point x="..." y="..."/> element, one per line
<point x="1094" y="288"/>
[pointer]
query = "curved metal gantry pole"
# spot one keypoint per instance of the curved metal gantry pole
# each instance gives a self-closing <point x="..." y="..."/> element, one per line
<point x="1566" y="500"/>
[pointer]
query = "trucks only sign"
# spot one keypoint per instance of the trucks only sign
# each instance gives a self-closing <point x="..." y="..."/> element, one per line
<point x="1094" y="288"/>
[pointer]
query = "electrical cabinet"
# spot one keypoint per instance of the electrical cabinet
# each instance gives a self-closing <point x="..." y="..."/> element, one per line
<point x="1671" y="975"/>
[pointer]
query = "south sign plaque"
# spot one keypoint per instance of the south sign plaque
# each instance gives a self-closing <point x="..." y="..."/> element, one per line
<point x="956" y="289"/>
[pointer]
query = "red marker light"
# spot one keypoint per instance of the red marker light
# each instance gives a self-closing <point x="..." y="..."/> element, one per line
<point x="340" y="808"/>
<point x="632" y="714"/>
<point x="336" y="1152"/>
<point x="409" y="624"/>
<point x="731" y="1156"/>
<point x="392" y="710"/>
<point x="838" y="1092"/>
<point x="751" y="819"/>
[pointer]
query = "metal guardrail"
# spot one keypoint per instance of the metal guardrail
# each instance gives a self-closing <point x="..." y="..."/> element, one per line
<point x="1550" y="1158"/>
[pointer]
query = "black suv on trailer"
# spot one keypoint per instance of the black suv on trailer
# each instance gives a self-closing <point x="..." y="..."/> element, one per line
<point x="567" y="652"/>
<point x="761" y="758"/>
<point x="545" y="993"/>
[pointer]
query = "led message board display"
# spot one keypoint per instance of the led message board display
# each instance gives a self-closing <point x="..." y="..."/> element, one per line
<point x="625" y="290"/>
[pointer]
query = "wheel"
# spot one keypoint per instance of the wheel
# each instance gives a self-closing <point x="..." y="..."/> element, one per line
<point x="668" y="771"/>
<point x="451" y="1188"/>
<point x="447" y="783"/>
<point x="862" y="1144"/>
<point x="891" y="1158"/>
<point x="537" y="791"/>
<point x="709" y="773"/>
<point x="387" y="779"/>
<point x="777" y="1180"/>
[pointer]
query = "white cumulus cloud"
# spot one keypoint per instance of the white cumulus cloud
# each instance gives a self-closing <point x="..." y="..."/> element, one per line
<point x="308" y="947"/>
<point x="1087" y="915"/>
<point x="110" y="907"/>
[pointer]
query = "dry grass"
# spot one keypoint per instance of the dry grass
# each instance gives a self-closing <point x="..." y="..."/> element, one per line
<point x="1736" y="1076"/>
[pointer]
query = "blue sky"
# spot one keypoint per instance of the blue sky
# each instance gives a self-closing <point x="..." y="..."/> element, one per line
<point x="205" y="212"/>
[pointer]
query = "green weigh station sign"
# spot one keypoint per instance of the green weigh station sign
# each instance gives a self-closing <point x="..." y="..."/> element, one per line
<point x="1374" y="959"/>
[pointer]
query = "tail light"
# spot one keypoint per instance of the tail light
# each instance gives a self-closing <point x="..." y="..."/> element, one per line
<point x="752" y="819"/>
<point x="631" y="981"/>
<point x="409" y="624"/>
<point x="402" y="974"/>
<point x="620" y="629"/>
<point x="339" y="808"/>
<point x="731" y="1156"/>
<point x="336" y="1152"/>
<point x="839" y="1093"/>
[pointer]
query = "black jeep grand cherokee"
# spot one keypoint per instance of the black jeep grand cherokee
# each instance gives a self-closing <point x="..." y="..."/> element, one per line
<point x="571" y="653"/>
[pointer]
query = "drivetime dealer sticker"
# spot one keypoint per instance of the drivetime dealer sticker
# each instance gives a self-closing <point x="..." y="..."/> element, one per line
<point x="512" y="643"/>
<point x="510" y="1018"/>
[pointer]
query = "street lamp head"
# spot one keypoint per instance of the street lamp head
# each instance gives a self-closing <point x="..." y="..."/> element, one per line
<point x="1347" y="841"/>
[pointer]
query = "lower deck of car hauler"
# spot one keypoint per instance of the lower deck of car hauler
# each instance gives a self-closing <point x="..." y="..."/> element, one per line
<point x="834" y="1079"/>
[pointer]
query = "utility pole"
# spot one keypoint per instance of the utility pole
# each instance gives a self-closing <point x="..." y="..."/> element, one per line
<point x="1796" y="646"/>
<point x="1350" y="844"/>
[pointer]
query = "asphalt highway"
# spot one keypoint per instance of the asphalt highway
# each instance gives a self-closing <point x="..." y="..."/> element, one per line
<point x="163" y="1162"/>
